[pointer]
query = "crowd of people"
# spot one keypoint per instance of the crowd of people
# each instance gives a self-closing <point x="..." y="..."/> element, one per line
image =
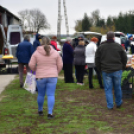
<point x="108" y="60"/>
<point x="81" y="56"/>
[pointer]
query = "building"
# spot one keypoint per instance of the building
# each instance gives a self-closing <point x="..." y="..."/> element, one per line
<point x="8" y="18"/>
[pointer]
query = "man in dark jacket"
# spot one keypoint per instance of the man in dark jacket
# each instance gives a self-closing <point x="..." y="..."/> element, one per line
<point x="36" y="42"/>
<point x="111" y="59"/>
<point x="68" y="61"/>
<point x="24" y="53"/>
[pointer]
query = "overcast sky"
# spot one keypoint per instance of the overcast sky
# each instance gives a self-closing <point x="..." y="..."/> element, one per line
<point x="75" y="9"/>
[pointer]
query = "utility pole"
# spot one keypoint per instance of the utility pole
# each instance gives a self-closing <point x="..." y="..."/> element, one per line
<point x="66" y="18"/>
<point x="59" y="21"/>
<point x="60" y="18"/>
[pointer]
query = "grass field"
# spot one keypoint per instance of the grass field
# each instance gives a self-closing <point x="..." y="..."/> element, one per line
<point x="78" y="110"/>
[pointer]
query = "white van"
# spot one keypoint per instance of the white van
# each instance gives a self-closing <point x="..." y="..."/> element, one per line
<point x="2" y="40"/>
<point x="14" y="37"/>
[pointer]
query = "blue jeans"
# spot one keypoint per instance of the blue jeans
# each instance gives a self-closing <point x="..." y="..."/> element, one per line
<point x="110" y="80"/>
<point x="46" y="86"/>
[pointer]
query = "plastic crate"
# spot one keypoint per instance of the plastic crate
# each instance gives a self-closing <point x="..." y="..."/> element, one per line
<point x="9" y="71"/>
<point x="2" y="65"/>
<point x="12" y="70"/>
<point x="128" y="93"/>
<point x="127" y="90"/>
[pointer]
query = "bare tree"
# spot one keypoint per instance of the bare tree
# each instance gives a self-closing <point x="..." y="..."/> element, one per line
<point x="36" y="20"/>
<point x="39" y="20"/>
<point x="95" y="16"/>
<point x="23" y="16"/>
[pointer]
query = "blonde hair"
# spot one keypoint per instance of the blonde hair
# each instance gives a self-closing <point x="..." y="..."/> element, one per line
<point x="81" y="42"/>
<point x="46" y="43"/>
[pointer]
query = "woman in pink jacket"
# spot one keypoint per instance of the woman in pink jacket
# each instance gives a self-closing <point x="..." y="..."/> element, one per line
<point x="47" y="63"/>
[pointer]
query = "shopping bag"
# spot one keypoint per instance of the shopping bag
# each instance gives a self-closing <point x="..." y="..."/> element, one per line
<point x="30" y="82"/>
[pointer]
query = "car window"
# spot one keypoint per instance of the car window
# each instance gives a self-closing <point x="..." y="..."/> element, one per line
<point x="15" y="38"/>
<point x="117" y="35"/>
<point x="123" y="40"/>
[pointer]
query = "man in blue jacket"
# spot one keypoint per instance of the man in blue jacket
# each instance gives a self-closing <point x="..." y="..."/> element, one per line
<point x="23" y="54"/>
<point x="36" y="42"/>
<point x="68" y="61"/>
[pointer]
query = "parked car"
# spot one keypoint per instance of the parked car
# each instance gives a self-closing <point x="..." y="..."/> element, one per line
<point x="2" y="40"/>
<point x="89" y="35"/>
<point x="119" y="37"/>
<point x="104" y="38"/>
<point x="122" y="37"/>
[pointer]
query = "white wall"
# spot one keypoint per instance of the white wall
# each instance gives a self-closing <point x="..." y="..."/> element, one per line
<point x="15" y="22"/>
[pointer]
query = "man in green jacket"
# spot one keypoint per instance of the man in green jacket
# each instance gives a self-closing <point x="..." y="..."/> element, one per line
<point x="111" y="59"/>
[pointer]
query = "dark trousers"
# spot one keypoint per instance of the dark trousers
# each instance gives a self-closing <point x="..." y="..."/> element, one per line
<point x="21" y="68"/>
<point x="68" y="73"/>
<point x="90" y="76"/>
<point x="79" y="73"/>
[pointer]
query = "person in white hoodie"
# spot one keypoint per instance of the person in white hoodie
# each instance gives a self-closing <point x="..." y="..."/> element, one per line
<point x="90" y="61"/>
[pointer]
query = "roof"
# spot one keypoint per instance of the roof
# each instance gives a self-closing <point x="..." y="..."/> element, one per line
<point x="4" y="9"/>
<point x="89" y="33"/>
<point x="119" y="33"/>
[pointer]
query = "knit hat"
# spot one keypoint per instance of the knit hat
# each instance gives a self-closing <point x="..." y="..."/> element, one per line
<point x="81" y="37"/>
<point x="110" y="35"/>
<point x="129" y="36"/>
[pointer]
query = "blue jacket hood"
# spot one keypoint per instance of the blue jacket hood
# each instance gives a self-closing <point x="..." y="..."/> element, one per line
<point x="36" y="42"/>
<point x="37" y="36"/>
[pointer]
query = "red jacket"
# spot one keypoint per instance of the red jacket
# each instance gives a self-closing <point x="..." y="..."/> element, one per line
<point x="54" y="44"/>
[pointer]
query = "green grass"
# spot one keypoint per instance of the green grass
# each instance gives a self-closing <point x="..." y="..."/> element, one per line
<point x="73" y="113"/>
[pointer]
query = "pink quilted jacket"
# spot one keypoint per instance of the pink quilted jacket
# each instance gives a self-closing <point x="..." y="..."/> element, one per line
<point x="46" y="66"/>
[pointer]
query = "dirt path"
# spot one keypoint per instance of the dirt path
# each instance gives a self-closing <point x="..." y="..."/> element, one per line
<point x="119" y="119"/>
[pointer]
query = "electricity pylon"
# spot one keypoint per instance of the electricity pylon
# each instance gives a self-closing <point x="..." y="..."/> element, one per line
<point x="60" y="18"/>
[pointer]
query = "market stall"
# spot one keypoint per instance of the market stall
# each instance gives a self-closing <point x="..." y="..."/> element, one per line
<point x="128" y="77"/>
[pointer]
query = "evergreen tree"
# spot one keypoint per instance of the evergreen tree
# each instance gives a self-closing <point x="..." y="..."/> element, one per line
<point x="100" y="23"/>
<point x="86" y="23"/>
<point x="124" y="22"/>
<point x="127" y="23"/>
<point x="109" y="21"/>
<point x="78" y="26"/>
<point x="119" y="23"/>
<point x="132" y="23"/>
